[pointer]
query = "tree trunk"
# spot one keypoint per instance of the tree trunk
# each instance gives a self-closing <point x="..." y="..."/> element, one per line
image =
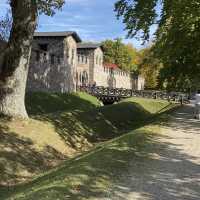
<point x="15" y="59"/>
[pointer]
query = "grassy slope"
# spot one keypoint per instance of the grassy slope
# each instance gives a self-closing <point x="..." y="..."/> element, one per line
<point x="43" y="103"/>
<point x="91" y="175"/>
<point x="34" y="146"/>
<point x="57" y="130"/>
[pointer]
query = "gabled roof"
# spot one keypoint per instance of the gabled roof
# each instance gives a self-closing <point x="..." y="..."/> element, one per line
<point x="59" y="34"/>
<point x="89" y="45"/>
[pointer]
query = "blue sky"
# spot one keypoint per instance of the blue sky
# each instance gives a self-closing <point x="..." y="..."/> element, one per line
<point x="93" y="20"/>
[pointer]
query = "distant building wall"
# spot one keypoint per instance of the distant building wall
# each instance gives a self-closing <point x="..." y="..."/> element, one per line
<point x="82" y="74"/>
<point x="88" y="67"/>
<point x="138" y="82"/>
<point x="113" y="78"/>
<point x="99" y="77"/>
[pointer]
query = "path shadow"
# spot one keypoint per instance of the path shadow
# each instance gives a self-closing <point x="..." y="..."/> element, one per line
<point x="183" y="119"/>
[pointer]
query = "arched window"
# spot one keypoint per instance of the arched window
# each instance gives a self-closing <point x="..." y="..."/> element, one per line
<point x="76" y="77"/>
<point x="85" y="78"/>
<point x="80" y="77"/>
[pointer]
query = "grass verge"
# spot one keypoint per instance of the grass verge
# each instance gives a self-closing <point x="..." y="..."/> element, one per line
<point x="62" y="126"/>
<point x="91" y="175"/>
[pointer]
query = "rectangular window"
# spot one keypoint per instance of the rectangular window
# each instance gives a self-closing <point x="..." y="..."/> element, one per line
<point x="82" y="59"/>
<point x="86" y="60"/>
<point x="37" y="56"/>
<point x="43" y="47"/>
<point x="58" y="60"/>
<point x="52" y="59"/>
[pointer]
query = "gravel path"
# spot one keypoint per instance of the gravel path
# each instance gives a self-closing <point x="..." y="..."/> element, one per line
<point x="172" y="171"/>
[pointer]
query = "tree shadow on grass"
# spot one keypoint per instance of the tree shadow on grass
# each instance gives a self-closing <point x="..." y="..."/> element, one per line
<point x="96" y="125"/>
<point x="124" y="167"/>
<point x="78" y="129"/>
<point x="38" y="103"/>
<point x="19" y="159"/>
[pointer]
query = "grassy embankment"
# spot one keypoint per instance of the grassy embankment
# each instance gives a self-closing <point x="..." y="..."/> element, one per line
<point x="62" y="125"/>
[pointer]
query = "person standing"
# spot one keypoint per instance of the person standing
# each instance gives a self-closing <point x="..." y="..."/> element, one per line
<point x="197" y="105"/>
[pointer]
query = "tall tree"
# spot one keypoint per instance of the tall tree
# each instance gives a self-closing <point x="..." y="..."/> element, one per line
<point x="14" y="61"/>
<point x="177" y="37"/>
<point x="149" y="67"/>
<point x="115" y="51"/>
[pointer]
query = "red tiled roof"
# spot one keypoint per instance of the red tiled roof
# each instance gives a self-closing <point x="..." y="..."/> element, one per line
<point x="110" y="65"/>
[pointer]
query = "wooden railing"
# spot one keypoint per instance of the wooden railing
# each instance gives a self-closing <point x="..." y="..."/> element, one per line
<point x="125" y="93"/>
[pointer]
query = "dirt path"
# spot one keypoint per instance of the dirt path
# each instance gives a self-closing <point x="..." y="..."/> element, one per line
<point x="172" y="172"/>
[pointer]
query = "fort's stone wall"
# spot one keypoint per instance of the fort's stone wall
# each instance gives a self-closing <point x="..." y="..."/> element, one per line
<point x="70" y="55"/>
<point x="98" y="73"/>
<point x="138" y="83"/>
<point x="57" y="65"/>
<point x="107" y="77"/>
<point x="52" y="65"/>
<point x="114" y="78"/>
<point x="82" y="75"/>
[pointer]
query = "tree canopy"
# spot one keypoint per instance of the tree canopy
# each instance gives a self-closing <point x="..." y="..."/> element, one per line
<point x="177" y="38"/>
<point x="124" y="55"/>
<point x="149" y="67"/>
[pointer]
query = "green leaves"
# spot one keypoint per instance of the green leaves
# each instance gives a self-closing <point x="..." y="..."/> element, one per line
<point x="48" y="7"/>
<point x="138" y="16"/>
<point x="5" y="26"/>
<point x="177" y="37"/>
<point x="118" y="53"/>
<point x="149" y="67"/>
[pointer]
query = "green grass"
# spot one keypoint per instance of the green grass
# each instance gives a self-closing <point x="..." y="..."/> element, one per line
<point x="34" y="146"/>
<point x="91" y="175"/>
<point x="43" y="103"/>
<point x="62" y="126"/>
<point x="151" y="105"/>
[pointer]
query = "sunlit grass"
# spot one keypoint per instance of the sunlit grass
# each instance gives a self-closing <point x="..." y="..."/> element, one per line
<point x="72" y="126"/>
<point x="91" y="175"/>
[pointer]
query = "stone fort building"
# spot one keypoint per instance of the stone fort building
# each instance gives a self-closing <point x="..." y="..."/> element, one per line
<point x="61" y="62"/>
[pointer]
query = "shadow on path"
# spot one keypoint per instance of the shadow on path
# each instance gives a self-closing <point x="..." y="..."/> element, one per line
<point x="172" y="172"/>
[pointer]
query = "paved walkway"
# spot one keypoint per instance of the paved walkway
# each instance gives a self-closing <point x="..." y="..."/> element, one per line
<point x="172" y="172"/>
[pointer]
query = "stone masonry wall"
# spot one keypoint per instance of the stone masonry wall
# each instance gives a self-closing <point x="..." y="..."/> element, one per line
<point x="60" y="67"/>
<point x="83" y="65"/>
<point x="70" y="55"/>
<point x="50" y="70"/>
<point x="107" y="77"/>
<point x="112" y="78"/>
